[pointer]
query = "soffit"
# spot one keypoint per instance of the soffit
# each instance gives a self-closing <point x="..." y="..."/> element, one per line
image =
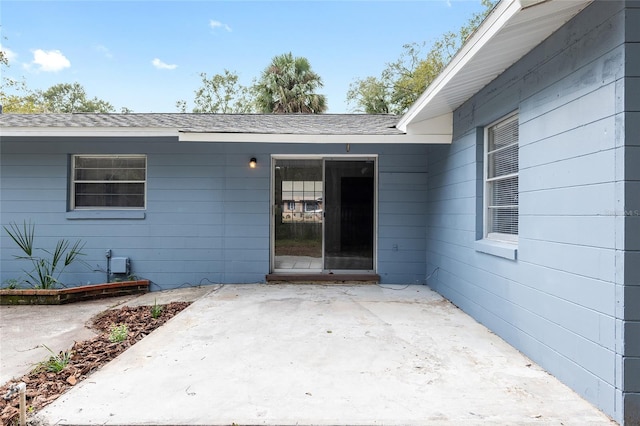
<point x="511" y="30"/>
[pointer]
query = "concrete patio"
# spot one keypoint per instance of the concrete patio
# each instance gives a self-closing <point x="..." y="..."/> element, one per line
<point x="286" y="354"/>
<point x="298" y="262"/>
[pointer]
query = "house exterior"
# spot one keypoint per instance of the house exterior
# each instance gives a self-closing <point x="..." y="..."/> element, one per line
<point x="175" y="194"/>
<point x="510" y="187"/>
<point x="541" y="245"/>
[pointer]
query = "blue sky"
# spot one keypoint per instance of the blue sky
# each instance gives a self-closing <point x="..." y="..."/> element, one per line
<point x="146" y="55"/>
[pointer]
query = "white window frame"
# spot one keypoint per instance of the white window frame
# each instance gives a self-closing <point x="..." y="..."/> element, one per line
<point x="73" y="181"/>
<point x="488" y="226"/>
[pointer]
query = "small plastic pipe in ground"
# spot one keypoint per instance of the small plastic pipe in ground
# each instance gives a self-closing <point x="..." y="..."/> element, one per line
<point x="21" y="388"/>
<point x="22" y="392"/>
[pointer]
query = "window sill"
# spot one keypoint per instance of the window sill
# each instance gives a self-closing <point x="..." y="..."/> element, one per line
<point x="497" y="248"/>
<point x="106" y="214"/>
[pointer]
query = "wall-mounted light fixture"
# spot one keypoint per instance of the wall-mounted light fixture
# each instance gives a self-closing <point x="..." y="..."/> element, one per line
<point x="253" y="162"/>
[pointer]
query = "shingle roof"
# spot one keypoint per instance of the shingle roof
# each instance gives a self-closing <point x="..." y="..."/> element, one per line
<point x="303" y="124"/>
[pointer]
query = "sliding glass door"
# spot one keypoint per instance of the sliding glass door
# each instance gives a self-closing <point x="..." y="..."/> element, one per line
<point x="324" y="215"/>
<point x="349" y="219"/>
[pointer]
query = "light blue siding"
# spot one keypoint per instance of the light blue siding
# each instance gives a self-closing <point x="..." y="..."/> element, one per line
<point x="631" y="216"/>
<point x="559" y="301"/>
<point x="401" y="221"/>
<point x="207" y="215"/>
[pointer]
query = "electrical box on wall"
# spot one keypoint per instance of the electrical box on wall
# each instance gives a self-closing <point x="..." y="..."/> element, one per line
<point x="120" y="265"/>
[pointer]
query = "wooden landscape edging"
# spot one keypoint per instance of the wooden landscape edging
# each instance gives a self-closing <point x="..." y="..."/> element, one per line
<point x="36" y="296"/>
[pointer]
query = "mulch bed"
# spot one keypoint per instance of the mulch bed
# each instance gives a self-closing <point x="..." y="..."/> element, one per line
<point x="87" y="356"/>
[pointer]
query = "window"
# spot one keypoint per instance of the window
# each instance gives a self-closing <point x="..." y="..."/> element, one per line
<point x="313" y="206"/>
<point x="108" y="182"/>
<point x="501" y="180"/>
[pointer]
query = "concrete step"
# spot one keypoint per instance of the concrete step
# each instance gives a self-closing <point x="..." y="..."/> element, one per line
<point x="323" y="278"/>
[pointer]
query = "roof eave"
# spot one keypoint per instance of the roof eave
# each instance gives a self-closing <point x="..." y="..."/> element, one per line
<point x="88" y="132"/>
<point x="190" y="136"/>
<point x="447" y="92"/>
<point x="212" y="136"/>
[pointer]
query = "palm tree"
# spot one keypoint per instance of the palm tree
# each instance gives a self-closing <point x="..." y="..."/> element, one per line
<point x="288" y="85"/>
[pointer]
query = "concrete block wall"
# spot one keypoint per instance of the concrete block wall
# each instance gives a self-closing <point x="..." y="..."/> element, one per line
<point x="207" y="217"/>
<point x="629" y="310"/>
<point x="558" y="301"/>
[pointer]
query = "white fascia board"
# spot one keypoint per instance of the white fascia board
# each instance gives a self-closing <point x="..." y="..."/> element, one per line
<point x="312" y="139"/>
<point x="182" y="136"/>
<point x="530" y="3"/>
<point x="497" y="19"/>
<point x="88" y="132"/>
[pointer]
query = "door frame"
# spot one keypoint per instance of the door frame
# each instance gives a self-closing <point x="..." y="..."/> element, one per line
<point x="272" y="208"/>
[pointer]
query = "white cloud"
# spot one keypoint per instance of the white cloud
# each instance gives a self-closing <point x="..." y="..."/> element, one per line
<point x="9" y="54"/>
<point x="162" y="65"/>
<point x="104" y="50"/>
<point x="217" y="24"/>
<point x="49" y="60"/>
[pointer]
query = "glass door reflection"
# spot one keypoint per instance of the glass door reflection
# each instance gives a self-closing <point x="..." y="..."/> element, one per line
<point x="299" y="209"/>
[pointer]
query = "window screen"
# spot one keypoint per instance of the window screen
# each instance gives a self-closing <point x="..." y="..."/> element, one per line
<point x="109" y="181"/>
<point x="502" y="178"/>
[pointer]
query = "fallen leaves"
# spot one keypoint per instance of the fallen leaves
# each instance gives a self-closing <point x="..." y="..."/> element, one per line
<point x="86" y="357"/>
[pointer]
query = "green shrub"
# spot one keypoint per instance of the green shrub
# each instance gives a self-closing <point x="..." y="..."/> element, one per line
<point x="119" y="333"/>
<point x="11" y="284"/>
<point x="47" y="269"/>
<point x="156" y="310"/>
<point x="55" y="363"/>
